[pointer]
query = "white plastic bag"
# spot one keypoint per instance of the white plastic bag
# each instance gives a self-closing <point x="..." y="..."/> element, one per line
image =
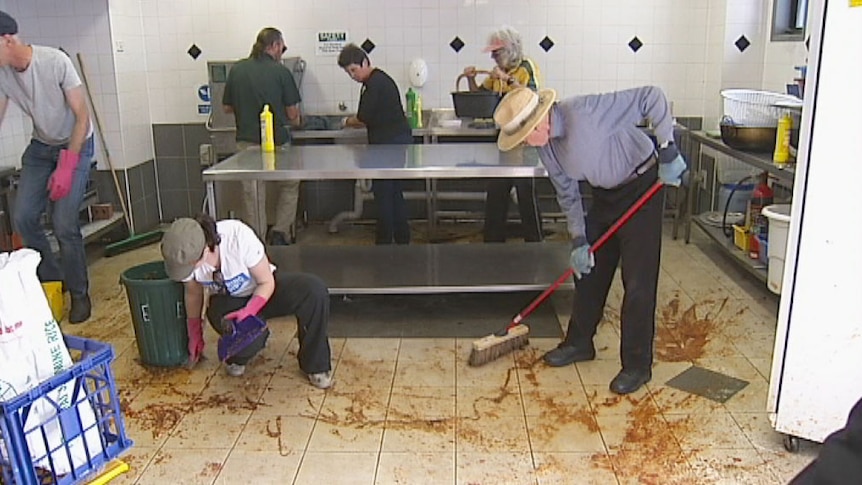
<point x="32" y="350"/>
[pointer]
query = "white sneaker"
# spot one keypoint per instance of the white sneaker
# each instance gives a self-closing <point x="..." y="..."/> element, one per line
<point x="235" y="370"/>
<point x="321" y="380"/>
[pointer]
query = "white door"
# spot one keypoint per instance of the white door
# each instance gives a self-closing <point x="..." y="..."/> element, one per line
<point x="817" y="366"/>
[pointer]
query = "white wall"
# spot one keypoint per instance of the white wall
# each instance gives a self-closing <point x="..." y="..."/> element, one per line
<point x="681" y="40"/>
<point x="688" y="50"/>
<point x="133" y="95"/>
<point x="780" y="59"/>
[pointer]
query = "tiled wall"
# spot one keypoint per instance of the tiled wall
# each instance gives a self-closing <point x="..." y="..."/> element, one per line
<point x="682" y="42"/>
<point x="141" y="72"/>
<point x="179" y="168"/>
<point x="133" y="97"/>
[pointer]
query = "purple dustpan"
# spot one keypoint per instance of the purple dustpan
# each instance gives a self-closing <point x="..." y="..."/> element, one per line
<point x="239" y="335"/>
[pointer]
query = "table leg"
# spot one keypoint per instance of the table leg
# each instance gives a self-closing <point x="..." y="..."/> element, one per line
<point x="259" y="210"/>
<point x="694" y="180"/>
<point x="211" y="202"/>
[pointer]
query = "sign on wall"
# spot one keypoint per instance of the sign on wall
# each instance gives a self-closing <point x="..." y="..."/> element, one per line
<point x="204" y="107"/>
<point x="330" y="43"/>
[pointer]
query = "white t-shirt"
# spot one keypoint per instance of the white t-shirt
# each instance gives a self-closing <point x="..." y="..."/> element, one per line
<point x="40" y="92"/>
<point x="239" y="250"/>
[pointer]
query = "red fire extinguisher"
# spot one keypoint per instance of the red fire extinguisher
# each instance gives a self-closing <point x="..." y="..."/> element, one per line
<point x="761" y="197"/>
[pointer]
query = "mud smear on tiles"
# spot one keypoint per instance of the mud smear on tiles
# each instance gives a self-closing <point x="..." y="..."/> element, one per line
<point x="650" y="452"/>
<point x="553" y="414"/>
<point x="527" y="360"/>
<point x="210" y="469"/>
<point x="160" y="418"/>
<point x="682" y="335"/>
<point x="611" y="401"/>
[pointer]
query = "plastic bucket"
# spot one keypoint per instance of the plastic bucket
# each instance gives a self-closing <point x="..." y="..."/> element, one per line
<point x="54" y="294"/>
<point x="779" y="224"/>
<point x="741" y="194"/>
<point x="158" y="314"/>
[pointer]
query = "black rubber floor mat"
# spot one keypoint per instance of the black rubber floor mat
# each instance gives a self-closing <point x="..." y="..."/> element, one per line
<point x="466" y="315"/>
<point x="712" y="385"/>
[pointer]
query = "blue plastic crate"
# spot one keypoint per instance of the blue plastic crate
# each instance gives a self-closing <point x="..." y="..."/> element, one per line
<point x="91" y="379"/>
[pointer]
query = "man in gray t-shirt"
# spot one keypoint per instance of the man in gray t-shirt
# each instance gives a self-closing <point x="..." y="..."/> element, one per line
<point x="55" y="167"/>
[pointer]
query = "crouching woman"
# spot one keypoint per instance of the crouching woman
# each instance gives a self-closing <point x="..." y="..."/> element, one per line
<point x="226" y="261"/>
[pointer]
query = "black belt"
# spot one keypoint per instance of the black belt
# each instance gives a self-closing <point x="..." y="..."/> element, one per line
<point x="640" y="169"/>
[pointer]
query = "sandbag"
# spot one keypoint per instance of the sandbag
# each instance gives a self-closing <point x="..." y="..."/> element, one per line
<point x="32" y="350"/>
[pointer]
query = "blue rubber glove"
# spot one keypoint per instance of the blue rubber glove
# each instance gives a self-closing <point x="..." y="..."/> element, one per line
<point x="671" y="173"/>
<point x="582" y="260"/>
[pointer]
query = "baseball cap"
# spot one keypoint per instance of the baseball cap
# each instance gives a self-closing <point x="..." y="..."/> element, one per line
<point x="8" y="25"/>
<point x="182" y="246"/>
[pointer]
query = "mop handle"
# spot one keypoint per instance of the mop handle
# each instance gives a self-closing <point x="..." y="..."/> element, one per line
<point x="593" y="248"/>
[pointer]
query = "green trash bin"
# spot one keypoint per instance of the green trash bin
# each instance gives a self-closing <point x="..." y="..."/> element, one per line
<point x="158" y="314"/>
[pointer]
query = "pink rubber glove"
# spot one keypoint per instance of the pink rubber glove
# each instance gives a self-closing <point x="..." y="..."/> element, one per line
<point x="195" y="329"/>
<point x="60" y="182"/>
<point x="251" y="308"/>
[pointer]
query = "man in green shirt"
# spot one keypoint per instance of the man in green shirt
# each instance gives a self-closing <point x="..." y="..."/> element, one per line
<point x="253" y="82"/>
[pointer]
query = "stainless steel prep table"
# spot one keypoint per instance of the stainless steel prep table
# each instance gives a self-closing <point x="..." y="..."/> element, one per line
<point x="339" y="162"/>
<point x="428" y="268"/>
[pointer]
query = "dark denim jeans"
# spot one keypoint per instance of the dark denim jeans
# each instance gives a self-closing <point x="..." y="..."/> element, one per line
<point x="37" y="165"/>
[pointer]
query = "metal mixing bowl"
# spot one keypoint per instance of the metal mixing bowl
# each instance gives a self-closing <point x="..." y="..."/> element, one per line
<point x="749" y="139"/>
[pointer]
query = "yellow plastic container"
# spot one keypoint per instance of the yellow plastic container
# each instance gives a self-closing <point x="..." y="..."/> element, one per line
<point x="54" y="293"/>
<point x="267" y="140"/>
<point x="782" y="140"/>
<point x="740" y="237"/>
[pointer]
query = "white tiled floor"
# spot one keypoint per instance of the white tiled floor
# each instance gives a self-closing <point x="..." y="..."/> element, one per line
<point x="413" y="411"/>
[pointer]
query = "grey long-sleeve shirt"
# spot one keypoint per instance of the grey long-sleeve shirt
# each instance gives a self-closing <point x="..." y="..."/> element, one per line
<point x="595" y="138"/>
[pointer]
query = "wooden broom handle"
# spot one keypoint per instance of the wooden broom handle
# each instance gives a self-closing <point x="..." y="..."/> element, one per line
<point x="104" y="144"/>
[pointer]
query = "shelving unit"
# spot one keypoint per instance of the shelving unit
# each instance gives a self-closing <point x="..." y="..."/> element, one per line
<point x="760" y="161"/>
<point x="90" y="231"/>
<point x="753" y="266"/>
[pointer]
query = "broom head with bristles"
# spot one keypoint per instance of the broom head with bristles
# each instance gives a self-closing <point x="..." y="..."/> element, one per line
<point x="494" y="346"/>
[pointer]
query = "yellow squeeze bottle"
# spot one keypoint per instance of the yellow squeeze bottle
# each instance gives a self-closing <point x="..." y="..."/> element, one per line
<point x="782" y="140"/>
<point x="267" y="141"/>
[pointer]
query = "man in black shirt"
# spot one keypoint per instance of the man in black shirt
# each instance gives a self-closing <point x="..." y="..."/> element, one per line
<point x="253" y="82"/>
<point x="382" y="114"/>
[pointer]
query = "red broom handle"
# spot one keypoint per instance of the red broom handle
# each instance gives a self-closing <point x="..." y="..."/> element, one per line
<point x="593" y="248"/>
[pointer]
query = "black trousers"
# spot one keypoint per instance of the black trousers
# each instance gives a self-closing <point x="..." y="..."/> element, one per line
<point x="392" y="216"/>
<point x="636" y="247"/>
<point x="497" y="209"/>
<point x="300" y="294"/>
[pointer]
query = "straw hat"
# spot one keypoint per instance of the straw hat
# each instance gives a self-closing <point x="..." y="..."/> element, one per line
<point x="519" y="112"/>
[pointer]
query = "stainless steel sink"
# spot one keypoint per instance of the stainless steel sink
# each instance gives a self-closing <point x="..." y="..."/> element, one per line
<point x="321" y="122"/>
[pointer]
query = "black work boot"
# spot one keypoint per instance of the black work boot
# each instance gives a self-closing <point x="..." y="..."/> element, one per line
<point x="566" y="354"/>
<point x="80" y="310"/>
<point x="629" y="381"/>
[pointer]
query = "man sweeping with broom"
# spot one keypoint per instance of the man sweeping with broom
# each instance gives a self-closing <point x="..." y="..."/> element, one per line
<point x="595" y="139"/>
